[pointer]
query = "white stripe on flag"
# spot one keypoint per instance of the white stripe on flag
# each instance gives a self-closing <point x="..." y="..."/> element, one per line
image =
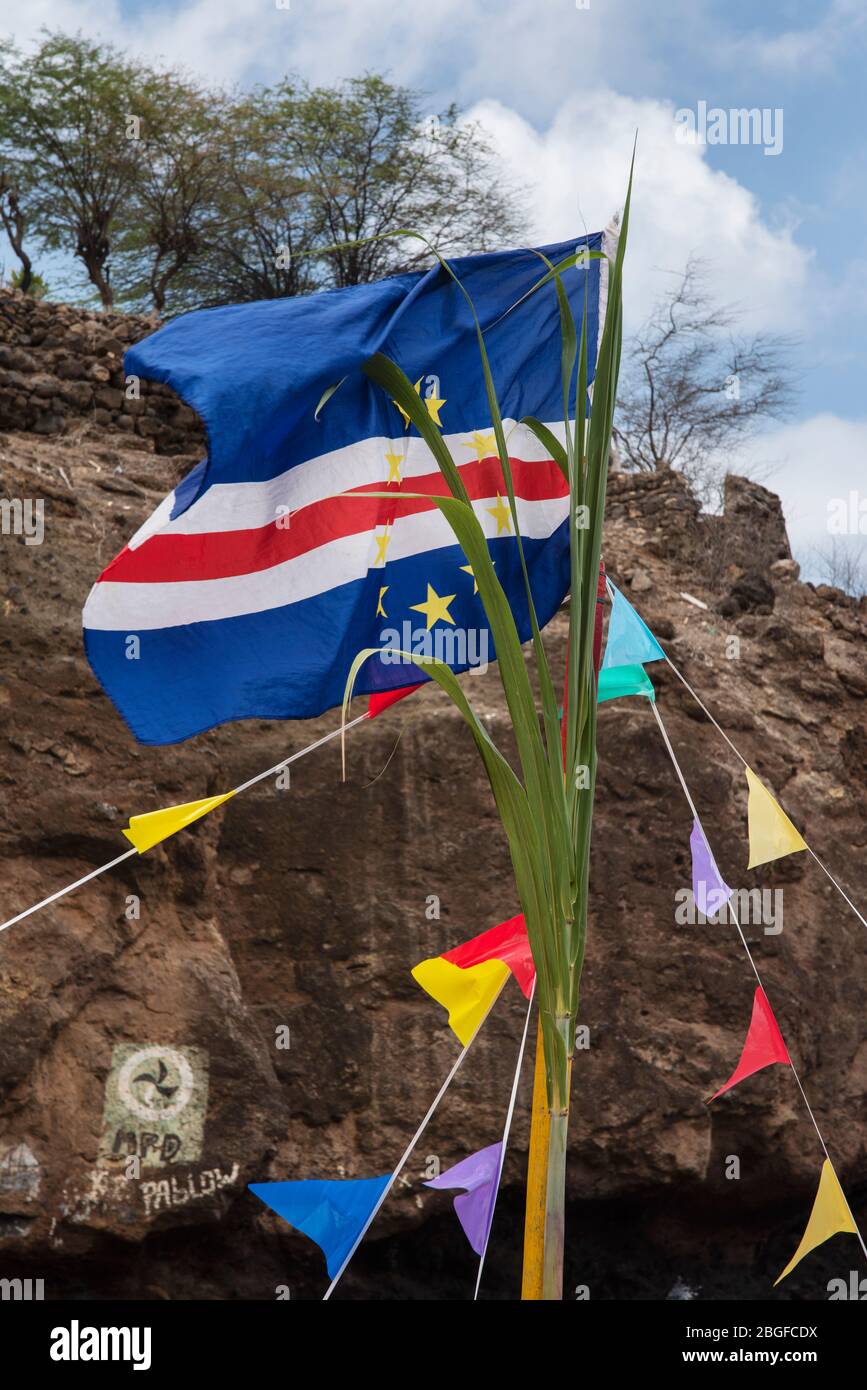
<point x="126" y="607"/>
<point x="247" y="506"/>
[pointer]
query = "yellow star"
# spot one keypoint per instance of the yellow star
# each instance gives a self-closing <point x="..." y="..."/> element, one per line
<point x="468" y="569"/>
<point x="401" y="409"/>
<point x="485" y="445"/>
<point x="501" y="514"/>
<point x="433" y="403"/>
<point x="380" y="611"/>
<point x="434" y="406"/>
<point x="435" y="607"/>
<point x="394" y="461"/>
<point x="381" y="547"/>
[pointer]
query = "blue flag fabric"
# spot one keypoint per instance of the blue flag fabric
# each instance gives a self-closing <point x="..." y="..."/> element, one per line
<point x="331" y="1213"/>
<point x="257" y="581"/>
<point x="630" y="641"/>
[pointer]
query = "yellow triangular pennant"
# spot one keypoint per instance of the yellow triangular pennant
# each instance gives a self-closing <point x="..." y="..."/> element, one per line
<point x="772" y="834"/>
<point x="829" y="1217"/>
<point x="466" y="994"/>
<point x="149" y="829"/>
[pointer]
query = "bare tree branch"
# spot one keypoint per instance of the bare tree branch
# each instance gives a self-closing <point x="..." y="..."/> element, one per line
<point x="693" y="387"/>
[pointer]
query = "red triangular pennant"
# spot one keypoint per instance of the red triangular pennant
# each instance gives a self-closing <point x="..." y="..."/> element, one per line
<point x="763" y="1046"/>
<point x="506" y="942"/>
<point x="381" y="700"/>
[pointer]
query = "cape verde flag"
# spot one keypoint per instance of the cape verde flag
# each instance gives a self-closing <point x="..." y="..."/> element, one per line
<point x="253" y="586"/>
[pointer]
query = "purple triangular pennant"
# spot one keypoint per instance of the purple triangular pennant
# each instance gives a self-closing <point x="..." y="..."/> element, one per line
<point x="479" y="1175"/>
<point x="710" y="891"/>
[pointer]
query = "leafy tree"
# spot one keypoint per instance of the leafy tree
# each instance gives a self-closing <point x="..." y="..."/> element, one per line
<point x="28" y="282"/>
<point x="372" y="163"/>
<point x="65" y="114"/>
<point x="166" y="226"/>
<point x="259" y="233"/>
<point x="13" y="215"/>
<point x="173" y="196"/>
<point x="306" y="169"/>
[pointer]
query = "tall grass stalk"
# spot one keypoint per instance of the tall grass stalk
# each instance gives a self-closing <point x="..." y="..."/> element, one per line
<point x="547" y="810"/>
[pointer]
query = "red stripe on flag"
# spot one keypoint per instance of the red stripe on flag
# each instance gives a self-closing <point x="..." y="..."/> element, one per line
<point x="222" y="554"/>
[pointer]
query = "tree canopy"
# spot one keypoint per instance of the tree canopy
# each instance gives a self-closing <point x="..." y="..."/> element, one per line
<point x="170" y="194"/>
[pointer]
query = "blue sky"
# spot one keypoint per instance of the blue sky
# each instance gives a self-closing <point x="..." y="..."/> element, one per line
<point x="562" y="90"/>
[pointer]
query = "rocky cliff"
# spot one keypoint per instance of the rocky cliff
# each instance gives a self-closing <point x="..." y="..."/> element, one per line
<point x="250" y="979"/>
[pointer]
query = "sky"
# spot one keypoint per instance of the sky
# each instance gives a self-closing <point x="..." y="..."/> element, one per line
<point x="562" y="86"/>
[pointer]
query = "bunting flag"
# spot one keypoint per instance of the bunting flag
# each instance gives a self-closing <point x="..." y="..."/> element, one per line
<point x="630" y="641"/>
<point x="149" y="829"/>
<point x="772" y="835"/>
<point x="615" y="681"/>
<point x="253" y="585"/>
<point x="764" y="1044"/>
<point x="466" y="994"/>
<point x="467" y="979"/>
<point x="382" y="700"/>
<point x="710" y="891"/>
<point x="479" y="1176"/>
<point x="830" y="1217"/>
<point x="507" y="942"/>
<point x="331" y="1213"/>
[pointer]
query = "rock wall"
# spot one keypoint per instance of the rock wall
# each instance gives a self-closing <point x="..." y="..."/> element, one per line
<point x="61" y="372"/>
<point x="660" y="502"/>
<point x="756" y="526"/>
<point x="305" y="909"/>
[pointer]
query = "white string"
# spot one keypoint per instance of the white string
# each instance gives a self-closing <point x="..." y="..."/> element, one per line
<point x="734" y="918"/>
<point x="505" y="1139"/>
<point x="843" y="895"/>
<point x="409" y="1148"/>
<point x="278" y="767"/>
<point x="94" y="873"/>
<point x="740" y="755"/>
<point x="704" y="707"/>
<point x="697" y="819"/>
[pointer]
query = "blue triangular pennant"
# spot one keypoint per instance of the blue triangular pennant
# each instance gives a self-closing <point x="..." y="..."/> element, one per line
<point x="630" y="641"/>
<point x="331" y="1213"/>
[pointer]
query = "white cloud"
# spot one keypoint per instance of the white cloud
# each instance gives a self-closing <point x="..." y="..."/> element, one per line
<point x="812" y="464"/>
<point x="807" y="51"/>
<point x="221" y="40"/>
<point x="522" y="53"/>
<point x="578" y="167"/>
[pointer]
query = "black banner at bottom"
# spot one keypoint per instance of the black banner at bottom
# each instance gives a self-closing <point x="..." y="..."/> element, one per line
<point x="172" y="1340"/>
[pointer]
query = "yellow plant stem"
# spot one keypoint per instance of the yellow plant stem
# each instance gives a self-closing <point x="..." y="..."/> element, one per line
<point x="537" y="1181"/>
